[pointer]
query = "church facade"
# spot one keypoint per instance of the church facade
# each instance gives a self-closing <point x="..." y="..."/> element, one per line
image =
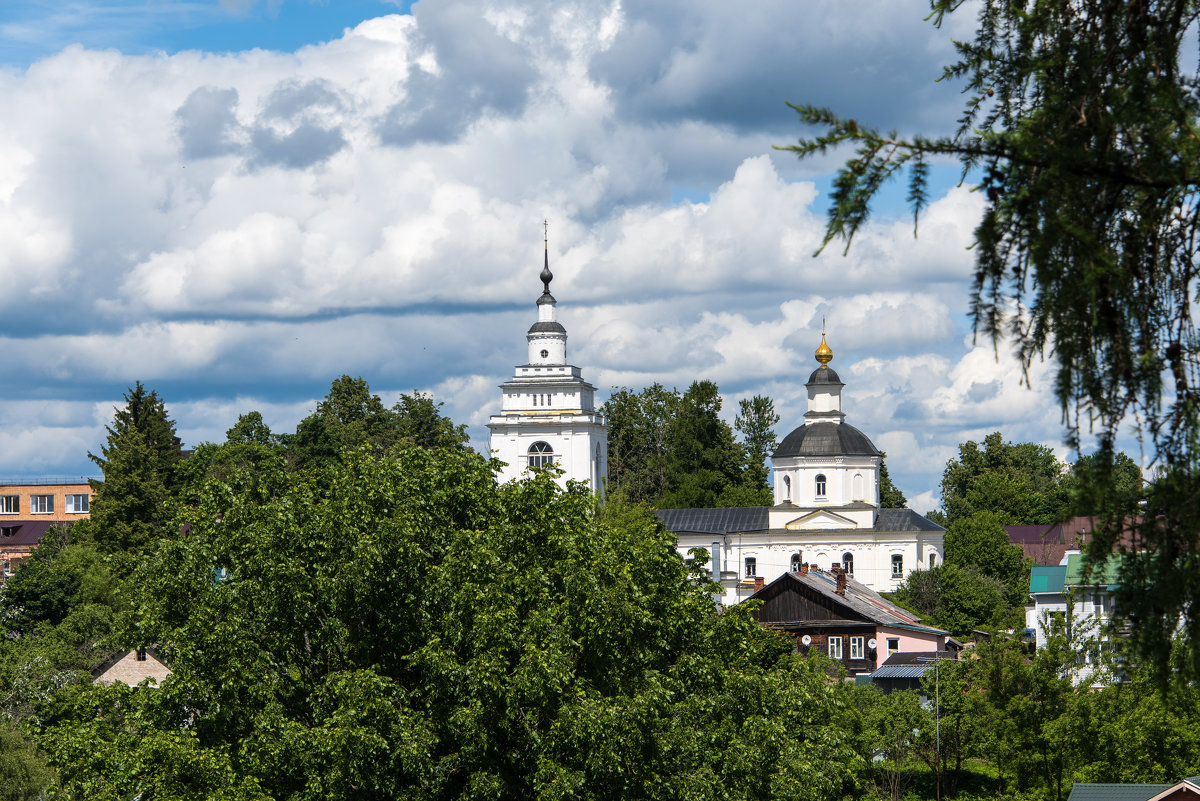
<point x="548" y="412"/>
<point x="826" y="510"/>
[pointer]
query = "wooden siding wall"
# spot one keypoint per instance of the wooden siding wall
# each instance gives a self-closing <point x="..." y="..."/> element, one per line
<point x="797" y="602"/>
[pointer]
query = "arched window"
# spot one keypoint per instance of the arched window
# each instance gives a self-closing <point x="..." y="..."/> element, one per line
<point x="797" y="560"/>
<point x="848" y="563"/>
<point x="858" y="487"/>
<point x="540" y="454"/>
<point x="932" y="561"/>
<point x="787" y="488"/>
<point x="821" y="485"/>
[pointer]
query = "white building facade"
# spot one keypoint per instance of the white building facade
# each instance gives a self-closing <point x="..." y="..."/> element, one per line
<point x="826" y="510"/>
<point x="548" y="412"/>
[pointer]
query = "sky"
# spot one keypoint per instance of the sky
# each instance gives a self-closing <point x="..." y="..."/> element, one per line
<point x="236" y="202"/>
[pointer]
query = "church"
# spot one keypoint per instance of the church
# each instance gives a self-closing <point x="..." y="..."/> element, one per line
<point x="826" y="511"/>
<point x="826" y="508"/>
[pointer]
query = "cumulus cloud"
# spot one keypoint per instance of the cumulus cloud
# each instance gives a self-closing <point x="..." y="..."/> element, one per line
<point x="239" y="229"/>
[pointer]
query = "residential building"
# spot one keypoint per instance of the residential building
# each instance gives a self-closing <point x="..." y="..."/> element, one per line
<point x="548" y="414"/>
<point x="29" y="507"/>
<point x="132" y="668"/>
<point x="837" y="616"/>
<point x="826" y="509"/>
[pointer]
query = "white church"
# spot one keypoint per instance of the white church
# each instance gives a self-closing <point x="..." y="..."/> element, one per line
<point x="826" y="477"/>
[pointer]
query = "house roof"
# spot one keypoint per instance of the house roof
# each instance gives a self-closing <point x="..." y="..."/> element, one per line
<point x="25" y="532"/>
<point x="1083" y="791"/>
<point x="1047" y="578"/>
<point x="757" y="518"/>
<point x="859" y="601"/>
<point x="1107" y="573"/>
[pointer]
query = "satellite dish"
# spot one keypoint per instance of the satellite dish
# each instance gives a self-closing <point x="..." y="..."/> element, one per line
<point x="806" y="640"/>
<point x="871" y="643"/>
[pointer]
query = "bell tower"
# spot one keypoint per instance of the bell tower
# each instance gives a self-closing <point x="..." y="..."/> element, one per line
<point x="548" y="413"/>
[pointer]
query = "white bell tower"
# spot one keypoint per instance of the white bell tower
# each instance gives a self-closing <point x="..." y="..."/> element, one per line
<point x="548" y="414"/>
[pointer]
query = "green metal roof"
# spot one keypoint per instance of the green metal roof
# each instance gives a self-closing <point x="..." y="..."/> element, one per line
<point x="1115" y="792"/>
<point x="1103" y="574"/>
<point x="1047" y="578"/>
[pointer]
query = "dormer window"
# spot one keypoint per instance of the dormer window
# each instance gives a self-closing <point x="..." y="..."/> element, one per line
<point x="820" y="483"/>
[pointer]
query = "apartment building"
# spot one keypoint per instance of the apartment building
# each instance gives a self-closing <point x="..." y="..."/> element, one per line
<point x="29" y="507"/>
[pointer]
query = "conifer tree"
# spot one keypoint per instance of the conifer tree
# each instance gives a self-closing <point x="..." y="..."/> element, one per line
<point x="138" y="461"/>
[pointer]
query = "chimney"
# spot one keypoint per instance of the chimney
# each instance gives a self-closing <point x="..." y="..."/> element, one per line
<point x="840" y="575"/>
<point x="758" y="583"/>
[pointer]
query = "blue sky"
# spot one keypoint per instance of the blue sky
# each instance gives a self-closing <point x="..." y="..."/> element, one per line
<point x="237" y="202"/>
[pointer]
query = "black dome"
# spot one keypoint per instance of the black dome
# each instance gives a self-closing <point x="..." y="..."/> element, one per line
<point x="541" y="328"/>
<point x="824" y="375"/>
<point x="826" y="439"/>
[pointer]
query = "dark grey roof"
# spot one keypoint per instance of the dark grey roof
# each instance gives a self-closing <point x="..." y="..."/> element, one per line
<point x="25" y="532"/>
<point x="541" y="328"/>
<point x="826" y="439"/>
<point x="860" y="598"/>
<point x="919" y="658"/>
<point x="904" y="520"/>
<point x="1083" y="791"/>
<point x="715" y="521"/>
<point x="825" y="375"/>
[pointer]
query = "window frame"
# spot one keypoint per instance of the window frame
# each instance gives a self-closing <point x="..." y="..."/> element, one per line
<point x="69" y="503"/>
<point x="835" y="640"/>
<point x="15" y="504"/>
<point x="795" y="562"/>
<point x="539" y="457"/>
<point x="893" y="645"/>
<point x="751" y="566"/>
<point x="897" y="565"/>
<point x="848" y="563"/>
<point x="821" y="486"/>
<point x="858" y="647"/>
<point x="34" y="504"/>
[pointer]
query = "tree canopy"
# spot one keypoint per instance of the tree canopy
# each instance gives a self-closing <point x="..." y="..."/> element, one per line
<point x="400" y="626"/>
<point x="1079" y="130"/>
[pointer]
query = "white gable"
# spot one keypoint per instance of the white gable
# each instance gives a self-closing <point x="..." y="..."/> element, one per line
<point x="819" y="520"/>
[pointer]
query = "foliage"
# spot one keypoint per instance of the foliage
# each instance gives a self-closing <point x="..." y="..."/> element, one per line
<point x="673" y="450"/>
<point x="980" y="542"/>
<point x="1022" y="481"/>
<point x="890" y="496"/>
<point x="756" y="423"/>
<point x="1080" y="130"/>
<point x="958" y="599"/>
<point x="23" y="772"/>
<point x="138" y="461"/>
<point x="401" y="627"/>
<point x="351" y="416"/>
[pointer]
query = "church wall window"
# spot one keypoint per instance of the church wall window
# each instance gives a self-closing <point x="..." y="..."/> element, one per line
<point x="797" y="560"/>
<point x="897" y="566"/>
<point x="932" y="561"/>
<point x="820" y="485"/>
<point x="751" y="566"/>
<point x="787" y="488"/>
<point x="540" y="454"/>
<point x="848" y="563"/>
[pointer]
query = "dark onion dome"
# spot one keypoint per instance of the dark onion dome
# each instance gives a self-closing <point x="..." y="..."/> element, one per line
<point x="547" y="328"/>
<point x="825" y="439"/>
<point x="825" y="375"/>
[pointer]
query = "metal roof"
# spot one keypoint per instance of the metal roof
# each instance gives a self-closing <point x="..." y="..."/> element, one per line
<point x="902" y="672"/>
<point x="544" y="327"/>
<point x="860" y="598"/>
<point x="826" y="439"/>
<point x="1106" y="573"/>
<point x="825" y="375"/>
<point x="1047" y="578"/>
<point x="904" y="520"/>
<point x="1083" y="791"/>
<point x="715" y="521"/>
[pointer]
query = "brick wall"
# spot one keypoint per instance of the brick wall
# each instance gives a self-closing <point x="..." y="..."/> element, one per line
<point x="58" y="493"/>
<point x="129" y="670"/>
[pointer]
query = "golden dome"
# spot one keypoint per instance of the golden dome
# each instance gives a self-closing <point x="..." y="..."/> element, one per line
<point x="824" y="354"/>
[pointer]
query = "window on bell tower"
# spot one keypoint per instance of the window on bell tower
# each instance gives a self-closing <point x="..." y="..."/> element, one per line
<point x="820" y="485"/>
<point x="540" y="454"/>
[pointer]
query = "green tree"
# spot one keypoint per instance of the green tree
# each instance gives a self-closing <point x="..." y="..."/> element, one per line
<point x="958" y="599"/>
<point x="138" y="461"/>
<point x="890" y="496"/>
<point x="756" y="423"/>
<point x="1079" y="131"/>
<point x="402" y="627"/>
<point x="1022" y="481"/>
<point x="703" y="460"/>
<point x="249" y="430"/>
<point x="420" y="422"/>
<point x="980" y="542"/>
<point x="638" y="425"/>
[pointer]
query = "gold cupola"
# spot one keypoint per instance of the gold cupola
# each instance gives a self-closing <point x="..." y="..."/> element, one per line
<point x="824" y="354"/>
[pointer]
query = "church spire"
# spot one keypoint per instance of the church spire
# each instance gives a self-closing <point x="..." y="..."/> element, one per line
<point x="546" y="275"/>
<point x="824" y="353"/>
